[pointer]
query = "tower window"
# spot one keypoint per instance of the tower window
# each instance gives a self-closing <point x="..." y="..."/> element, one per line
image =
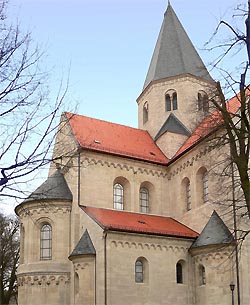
<point x="118" y="197"/>
<point x="168" y="102"/>
<point x="203" y="102"/>
<point x="171" y="100"/>
<point x="205" y="186"/>
<point x="46" y="242"/>
<point x="175" y="106"/>
<point x="144" y="200"/>
<point x="145" y="112"/>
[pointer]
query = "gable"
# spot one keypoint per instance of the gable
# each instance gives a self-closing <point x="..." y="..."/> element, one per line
<point x="173" y="125"/>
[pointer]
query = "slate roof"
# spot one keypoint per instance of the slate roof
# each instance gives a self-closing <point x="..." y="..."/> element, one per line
<point x="99" y="135"/>
<point x="115" y="220"/>
<point x="84" y="246"/>
<point x="174" y="125"/>
<point x="214" y="233"/>
<point x="55" y="187"/>
<point x="174" y="53"/>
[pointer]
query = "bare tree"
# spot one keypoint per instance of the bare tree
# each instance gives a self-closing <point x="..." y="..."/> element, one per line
<point x="233" y="116"/>
<point x="28" y="118"/>
<point x="9" y="256"/>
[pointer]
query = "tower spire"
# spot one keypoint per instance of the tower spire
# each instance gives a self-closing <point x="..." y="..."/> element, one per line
<point x="174" y="52"/>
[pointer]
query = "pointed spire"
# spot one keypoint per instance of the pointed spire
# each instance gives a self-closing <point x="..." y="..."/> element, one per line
<point x="174" y="53"/>
<point x="214" y="233"/>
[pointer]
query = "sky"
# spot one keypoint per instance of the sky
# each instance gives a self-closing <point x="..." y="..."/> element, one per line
<point x="105" y="46"/>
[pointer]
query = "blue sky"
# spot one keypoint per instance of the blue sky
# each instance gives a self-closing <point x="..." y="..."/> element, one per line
<point x="107" y="46"/>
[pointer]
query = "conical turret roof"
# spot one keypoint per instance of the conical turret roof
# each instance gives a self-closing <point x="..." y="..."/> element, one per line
<point x="174" y="52"/>
<point x="214" y="233"/>
<point x="55" y="187"/>
<point x="84" y="246"/>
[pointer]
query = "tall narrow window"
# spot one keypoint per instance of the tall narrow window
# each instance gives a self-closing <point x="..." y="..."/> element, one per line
<point x="188" y="195"/>
<point x="118" y="197"/>
<point x="144" y="200"/>
<point x="139" y="271"/>
<point x="46" y="242"/>
<point x="171" y="100"/>
<point x="145" y="112"/>
<point x="76" y="283"/>
<point x="22" y="232"/>
<point x="203" y="102"/>
<point x="199" y="101"/>
<point x="168" y="102"/>
<point x="205" y="186"/>
<point x="202" y="275"/>
<point x="179" y="273"/>
<point x="174" y="97"/>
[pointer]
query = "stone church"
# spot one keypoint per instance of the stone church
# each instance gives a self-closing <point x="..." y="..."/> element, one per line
<point x="131" y="215"/>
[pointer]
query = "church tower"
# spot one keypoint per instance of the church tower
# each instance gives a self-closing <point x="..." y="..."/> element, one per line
<point x="176" y="89"/>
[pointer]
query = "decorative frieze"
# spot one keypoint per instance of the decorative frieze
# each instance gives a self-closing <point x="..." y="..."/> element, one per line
<point x="80" y="266"/>
<point x="217" y="257"/>
<point x="149" y="246"/>
<point x="177" y="170"/>
<point x="134" y="169"/>
<point x="43" y="209"/>
<point x="43" y="279"/>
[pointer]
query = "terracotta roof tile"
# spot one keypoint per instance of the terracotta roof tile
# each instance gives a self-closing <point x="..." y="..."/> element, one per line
<point x="208" y="125"/>
<point x="116" y="139"/>
<point x="138" y="223"/>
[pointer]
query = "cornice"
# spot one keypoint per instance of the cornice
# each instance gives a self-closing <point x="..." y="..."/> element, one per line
<point x="173" y="80"/>
<point x="86" y="161"/>
<point x="163" y="247"/>
<point x="175" y="170"/>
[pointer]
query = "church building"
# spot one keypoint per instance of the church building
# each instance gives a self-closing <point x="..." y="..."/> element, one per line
<point x="131" y="215"/>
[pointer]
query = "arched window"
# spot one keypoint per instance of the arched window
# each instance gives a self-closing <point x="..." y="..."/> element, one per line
<point x="22" y="239"/>
<point x="145" y="112"/>
<point x="139" y="276"/>
<point x="118" y="197"/>
<point x="144" y="200"/>
<point x="174" y="97"/>
<point x="203" y="102"/>
<point x="46" y="242"/>
<point x="188" y="195"/>
<point x="76" y="283"/>
<point x="171" y="100"/>
<point x="168" y="102"/>
<point x="205" y="186"/>
<point x="179" y="273"/>
<point x="202" y="275"/>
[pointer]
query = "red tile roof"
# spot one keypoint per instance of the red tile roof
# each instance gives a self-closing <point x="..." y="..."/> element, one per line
<point x="116" y="139"/>
<point x="208" y="125"/>
<point x="138" y="223"/>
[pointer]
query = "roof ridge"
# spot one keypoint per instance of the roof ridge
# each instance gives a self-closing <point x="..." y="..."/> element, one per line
<point x="105" y="121"/>
<point x="130" y="212"/>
